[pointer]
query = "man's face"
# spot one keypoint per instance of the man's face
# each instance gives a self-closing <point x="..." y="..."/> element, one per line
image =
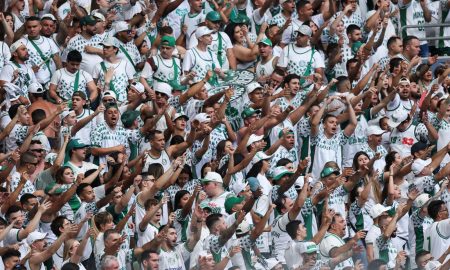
<point x="180" y="123"/>
<point x="33" y="28"/>
<point x="88" y="194"/>
<point x="125" y="35"/>
<point x="354" y="4"/>
<point x="112" y="116"/>
<point x="397" y="47"/>
<point x="73" y="66"/>
<point x="196" y="5"/>
<point x="339" y="226"/>
<point x="289" y="6"/>
<point x="152" y="262"/>
<point x="166" y="51"/>
<point x="302" y="40"/>
<point x="290" y="141"/>
<point x="375" y="139"/>
<point x="355" y="36"/>
<point x="264" y="50"/>
<point x="294" y="85"/>
<point x="422" y="261"/>
<point x="206" y="39"/>
<point x="309" y="258"/>
<point x="78" y="102"/>
<point x="30" y="204"/>
<point x="443" y="212"/>
<point x="161" y="98"/>
<point x="172" y="237"/>
<point x="48" y="27"/>
<point x="213" y="25"/>
<point x="275" y="80"/>
<point x="158" y="142"/>
<point x="38" y="150"/>
<point x="113" y="240"/>
<point x="307" y="11"/>
<point x="80" y="153"/>
<point x="11" y="262"/>
<point x="301" y="231"/>
<point x="404" y="90"/>
<point x="109" y="51"/>
<point x="39" y="245"/>
<point x="17" y="216"/>
<point x="209" y="188"/>
<point x="413" y="47"/>
<point x="331" y="125"/>
<point x="31" y="166"/>
<point x="71" y="119"/>
<point x="256" y="96"/>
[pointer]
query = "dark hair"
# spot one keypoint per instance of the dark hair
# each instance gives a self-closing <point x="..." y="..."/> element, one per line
<point x="70" y="266"/>
<point x="81" y="188"/>
<point x="60" y="173"/>
<point x="3" y="222"/>
<point x="152" y="133"/>
<point x="2" y="28"/>
<point x="351" y="28"/>
<point x="96" y="181"/>
<point x="279" y="71"/>
<point x="13" y="110"/>
<point x="279" y="203"/>
<point x="292" y="227"/>
<point x="355" y="159"/>
<point x="407" y="40"/>
<point x="74" y="56"/>
<point x="420" y="254"/>
<point x="212" y="219"/>
<point x="32" y="18"/>
<point x="302" y="3"/>
<point x="283" y="162"/>
<point x="390" y="158"/>
<point x="349" y="62"/>
<point x="177" y="139"/>
<point x="146" y="254"/>
<point x="325" y="118"/>
<point x="25" y="197"/>
<point x="229" y="30"/>
<point x="341" y="80"/>
<point x="376" y="264"/>
<point x="11" y="210"/>
<point x="56" y="224"/>
<point x="434" y="207"/>
<point x="38" y="115"/>
<point x="156" y="170"/>
<point x="108" y="232"/>
<point x="255" y="169"/>
<point x="187" y="170"/>
<point x="391" y="41"/>
<point x="180" y="194"/>
<point x="289" y="78"/>
<point x="10" y="252"/>
<point x="393" y="63"/>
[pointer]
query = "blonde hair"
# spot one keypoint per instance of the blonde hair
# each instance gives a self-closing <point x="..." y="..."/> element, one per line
<point x="67" y="246"/>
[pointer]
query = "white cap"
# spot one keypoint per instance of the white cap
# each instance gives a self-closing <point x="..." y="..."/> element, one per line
<point x="374" y="130"/>
<point x="282" y="1"/>
<point x="178" y="115"/>
<point x="109" y="94"/>
<point x="202" y="31"/>
<point x="66" y="113"/>
<point x="243" y="228"/>
<point x="163" y="87"/>
<point x="305" y="30"/>
<point x="212" y="177"/>
<point x="260" y="156"/>
<point x="238" y="186"/>
<point x="433" y="265"/>
<point x="252" y="87"/>
<point x="99" y="16"/>
<point x="254" y="138"/>
<point x="421" y="200"/>
<point x="272" y="262"/>
<point x="48" y="16"/>
<point x="307" y="247"/>
<point x="138" y="86"/>
<point x="121" y="26"/>
<point x="202" y="118"/>
<point x="111" y="41"/>
<point x="35" y="236"/>
<point x="397" y="118"/>
<point x="35" y="88"/>
<point x="16" y="45"/>
<point x="50" y="158"/>
<point x="377" y="210"/>
<point x="419" y="164"/>
<point x="404" y="80"/>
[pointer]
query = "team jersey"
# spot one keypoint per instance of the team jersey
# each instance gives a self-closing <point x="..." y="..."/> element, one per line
<point x="437" y="238"/>
<point x="329" y="242"/>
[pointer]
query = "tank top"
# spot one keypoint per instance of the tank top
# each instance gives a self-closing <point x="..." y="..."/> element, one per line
<point x="163" y="159"/>
<point x="264" y="69"/>
<point x="165" y="70"/>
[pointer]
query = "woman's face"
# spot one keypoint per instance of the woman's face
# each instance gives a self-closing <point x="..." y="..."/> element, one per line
<point x="184" y="200"/>
<point x="68" y="176"/>
<point x="228" y="146"/>
<point x="385" y="82"/>
<point x="183" y="179"/>
<point x="238" y="35"/>
<point x="265" y="166"/>
<point x="313" y="26"/>
<point x="374" y="99"/>
<point x="290" y="167"/>
<point x="103" y="4"/>
<point x="398" y="159"/>
<point x="144" y="49"/>
<point x="10" y="21"/>
<point x="397" y="193"/>
<point x="428" y="76"/>
<point x="384" y="124"/>
<point x="340" y="28"/>
<point x="362" y="160"/>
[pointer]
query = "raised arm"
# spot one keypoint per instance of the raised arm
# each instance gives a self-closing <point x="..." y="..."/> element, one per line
<point x="229" y="232"/>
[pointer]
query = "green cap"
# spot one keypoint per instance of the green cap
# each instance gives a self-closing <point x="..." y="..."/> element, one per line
<point x="240" y="19"/>
<point x="279" y="172"/>
<point x="280" y="134"/>
<point x="128" y="118"/>
<point x="75" y="144"/>
<point x="249" y="111"/>
<point x="168" y="41"/>
<point x="213" y="16"/>
<point x="327" y="171"/>
<point x="230" y="202"/>
<point x="213" y="209"/>
<point x="356" y="46"/>
<point x="53" y="189"/>
<point x="266" y="41"/>
<point x="88" y="20"/>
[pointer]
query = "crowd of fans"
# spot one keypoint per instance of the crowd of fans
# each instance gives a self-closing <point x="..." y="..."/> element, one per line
<point x="224" y="134"/>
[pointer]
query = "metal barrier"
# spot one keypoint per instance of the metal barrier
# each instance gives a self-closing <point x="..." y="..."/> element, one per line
<point x="428" y="26"/>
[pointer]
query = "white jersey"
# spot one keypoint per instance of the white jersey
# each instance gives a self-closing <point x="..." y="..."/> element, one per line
<point x="163" y="159"/>
<point x="41" y="50"/>
<point x="173" y="259"/>
<point x="329" y="242"/>
<point x="280" y="238"/>
<point x="66" y="82"/>
<point x="355" y="142"/>
<point x="401" y="142"/>
<point x="300" y="60"/>
<point x="79" y="43"/>
<point x="199" y="62"/>
<point x="293" y="256"/>
<point x="192" y="21"/>
<point x="84" y="134"/>
<point x="437" y="238"/>
<point x="266" y="69"/>
<point x="219" y="202"/>
<point x="326" y="149"/>
<point x="165" y="69"/>
<point x="219" y="46"/>
<point x="410" y="14"/>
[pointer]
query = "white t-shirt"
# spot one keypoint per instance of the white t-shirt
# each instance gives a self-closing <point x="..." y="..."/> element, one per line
<point x="437" y="238"/>
<point x="65" y="82"/>
<point x="297" y="59"/>
<point x="329" y="242"/>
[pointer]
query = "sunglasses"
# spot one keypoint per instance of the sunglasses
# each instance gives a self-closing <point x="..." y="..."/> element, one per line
<point x="37" y="150"/>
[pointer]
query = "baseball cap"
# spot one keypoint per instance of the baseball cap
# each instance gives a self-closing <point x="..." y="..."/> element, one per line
<point x="35" y="236"/>
<point x="327" y="171"/>
<point x="260" y="156"/>
<point x="307" y="247"/>
<point x="304" y="30"/>
<point x="36" y="88"/>
<point x="80" y="94"/>
<point x="279" y="172"/>
<point x="111" y="41"/>
<point x="163" y="87"/>
<point x="404" y="80"/>
<point x="254" y="138"/>
<point x="374" y="130"/>
<point x="212" y="177"/>
<point x="50" y="158"/>
<point x="88" y="20"/>
<point x="397" y="118"/>
<point x="65" y="113"/>
<point x="249" y="111"/>
<point x="213" y="16"/>
<point x="16" y="45"/>
<point x="243" y="228"/>
<point x="75" y="144"/>
<point x="240" y="19"/>
<point x="168" y="41"/>
<point x="202" y="118"/>
<point x="99" y="16"/>
<point x="138" y="87"/>
<point x="109" y="94"/>
<point x="419" y="164"/>
<point x="202" y="31"/>
<point x="238" y="186"/>
<point x="121" y="26"/>
<point x="421" y="200"/>
<point x="128" y="118"/>
<point x="232" y="201"/>
<point x="48" y="17"/>
<point x="377" y="210"/>
<point x="266" y="41"/>
<point x="179" y="115"/>
<point x="252" y="87"/>
<point x="418" y="146"/>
